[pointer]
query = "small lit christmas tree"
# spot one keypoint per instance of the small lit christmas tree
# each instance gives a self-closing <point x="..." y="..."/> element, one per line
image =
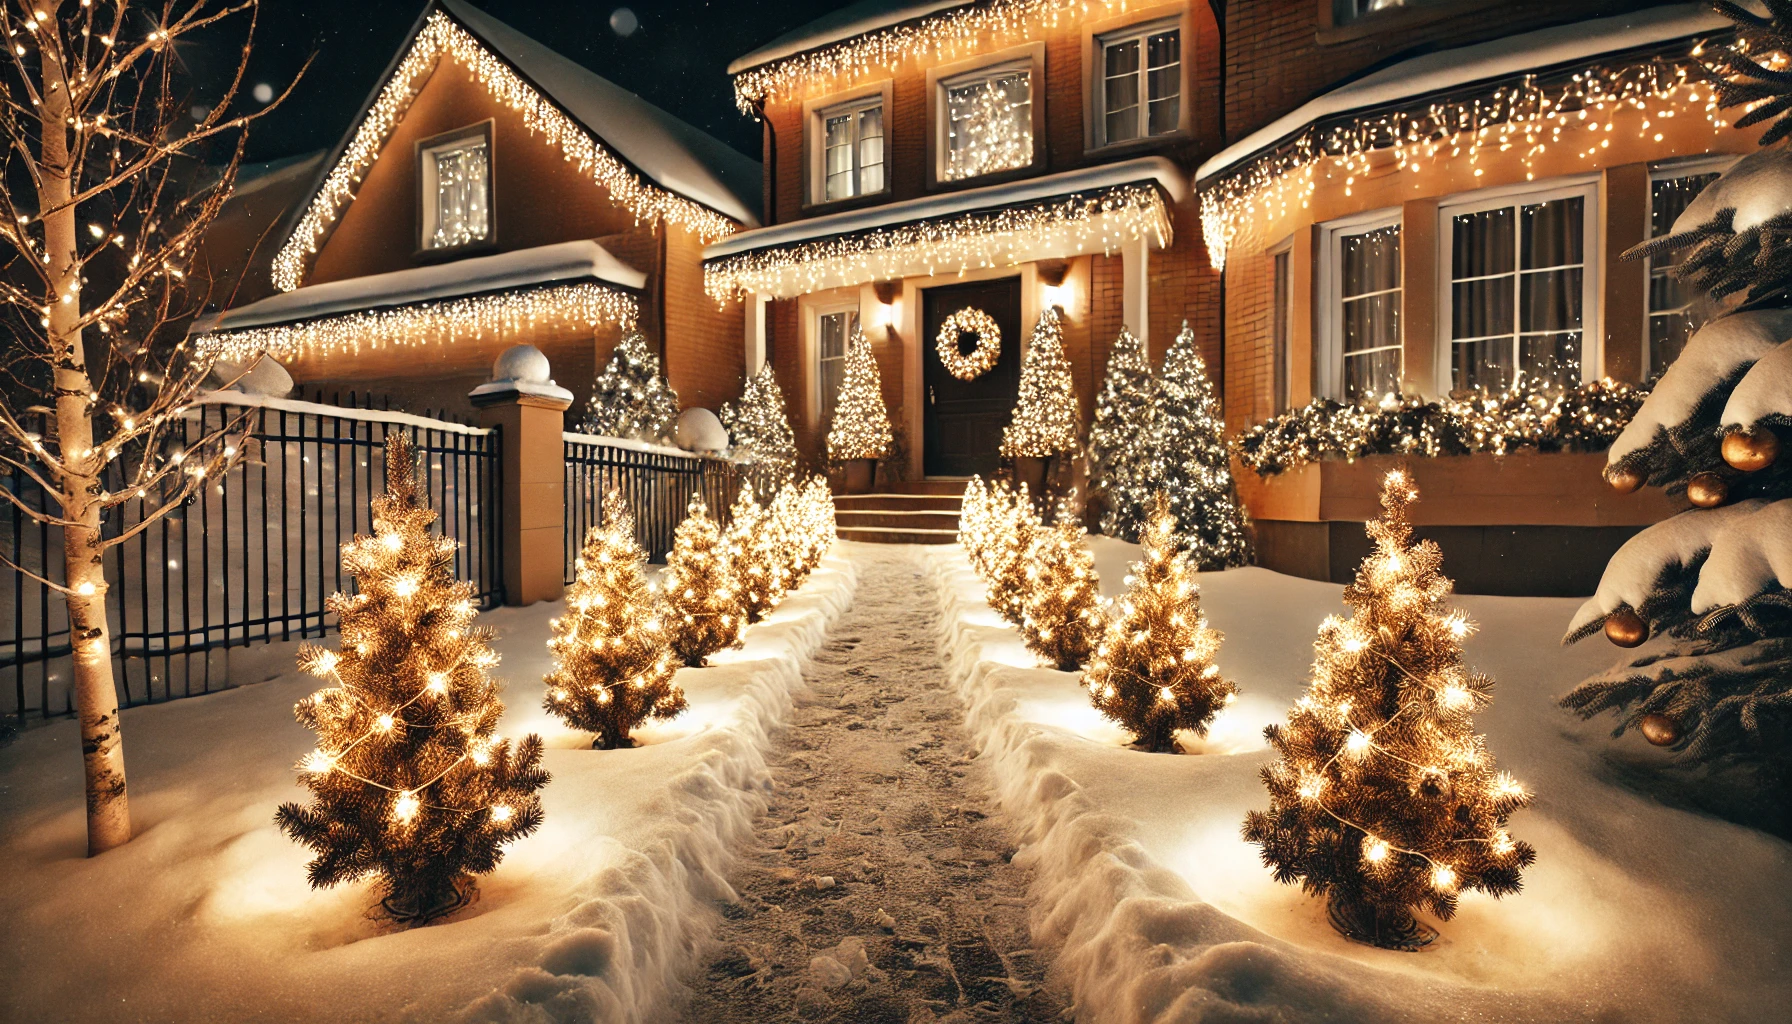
<point x="1120" y="439"/>
<point x="702" y="609"/>
<point x="1154" y="671"/>
<point x="1192" y="464"/>
<point x="1012" y="532"/>
<point x="1384" y="798"/>
<point x="861" y="428"/>
<point x="409" y="782"/>
<point x="1045" y="413"/>
<point x="630" y="398"/>
<point x="748" y="555"/>
<point x="759" y="429"/>
<point x="1061" y="618"/>
<point x="613" y="667"/>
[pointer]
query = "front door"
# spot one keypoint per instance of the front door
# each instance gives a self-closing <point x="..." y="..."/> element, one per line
<point x="962" y="428"/>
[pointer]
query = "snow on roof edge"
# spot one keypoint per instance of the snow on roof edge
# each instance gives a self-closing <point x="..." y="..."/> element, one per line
<point x="831" y="28"/>
<point x="543" y="264"/>
<point x="1157" y="169"/>
<point x="1465" y="65"/>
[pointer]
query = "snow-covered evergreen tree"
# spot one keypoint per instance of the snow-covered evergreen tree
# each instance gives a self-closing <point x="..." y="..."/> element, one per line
<point x="630" y="398"/>
<point x="1119" y="439"/>
<point x="760" y="431"/>
<point x="1713" y="582"/>
<point x="1191" y="463"/>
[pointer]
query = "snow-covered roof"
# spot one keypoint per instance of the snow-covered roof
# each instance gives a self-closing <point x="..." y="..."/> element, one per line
<point x="1014" y="193"/>
<point x="845" y="23"/>
<point x="1524" y="53"/>
<point x="582" y="260"/>
<point x="673" y="154"/>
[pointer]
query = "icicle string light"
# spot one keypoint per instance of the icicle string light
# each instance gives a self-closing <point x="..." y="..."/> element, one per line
<point x="1572" y="110"/>
<point x="440" y="37"/>
<point x="581" y="306"/>
<point x="1096" y="221"/>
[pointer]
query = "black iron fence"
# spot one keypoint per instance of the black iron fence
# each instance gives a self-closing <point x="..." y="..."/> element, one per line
<point x="656" y="482"/>
<point x="251" y="559"/>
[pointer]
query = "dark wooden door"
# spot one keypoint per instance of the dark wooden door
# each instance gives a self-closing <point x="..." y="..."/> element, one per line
<point x="962" y="428"/>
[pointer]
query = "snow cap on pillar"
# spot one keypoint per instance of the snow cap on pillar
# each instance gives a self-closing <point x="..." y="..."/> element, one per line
<point x="520" y="370"/>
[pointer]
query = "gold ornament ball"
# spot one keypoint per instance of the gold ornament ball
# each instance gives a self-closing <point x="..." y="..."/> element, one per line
<point x="1659" y="730"/>
<point x="1626" y="628"/>
<point x="1751" y="450"/>
<point x="1707" y="490"/>
<point x="1624" y="481"/>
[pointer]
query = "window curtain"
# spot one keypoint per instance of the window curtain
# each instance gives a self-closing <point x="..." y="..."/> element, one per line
<point x="462" y="177"/>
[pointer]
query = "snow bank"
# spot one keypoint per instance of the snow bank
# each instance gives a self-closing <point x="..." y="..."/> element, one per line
<point x="1160" y="911"/>
<point x="206" y="915"/>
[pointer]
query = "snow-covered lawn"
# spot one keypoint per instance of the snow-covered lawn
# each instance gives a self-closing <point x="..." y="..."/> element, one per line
<point x="206" y="915"/>
<point x="1635" y="911"/>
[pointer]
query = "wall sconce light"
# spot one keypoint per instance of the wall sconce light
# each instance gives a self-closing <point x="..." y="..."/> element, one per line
<point x="887" y="312"/>
<point x="1054" y="284"/>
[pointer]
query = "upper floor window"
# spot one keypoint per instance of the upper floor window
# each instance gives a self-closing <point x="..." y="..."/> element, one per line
<point x="852" y="149"/>
<point x="1520" y="292"/>
<point x="1347" y="11"/>
<point x="1141" y="86"/>
<point x="989" y="121"/>
<point x="1361" y="324"/>
<point x="1671" y="316"/>
<point x="454" y="188"/>
<point x="833" y="331"/>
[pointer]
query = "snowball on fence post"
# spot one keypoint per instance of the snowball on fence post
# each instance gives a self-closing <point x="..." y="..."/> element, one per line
<point x="529" y="410"/>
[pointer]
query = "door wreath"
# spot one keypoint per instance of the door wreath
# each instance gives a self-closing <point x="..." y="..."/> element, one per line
<point x="983" y="357"/>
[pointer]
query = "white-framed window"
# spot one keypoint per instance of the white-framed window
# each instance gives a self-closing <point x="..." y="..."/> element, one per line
<point x="1346" y="11"/>
<point x="1519" y="295"/>
<point x="1140" y="92"/>
<point x="1281" y="328"/>
<point x="1362" y="292"/>
<point x="454" y="189"/>
<point x="834" y="327"/>
<point x="851" y="140"/>
<point x="986" y="121"/>
<point x="1672" y="319"/>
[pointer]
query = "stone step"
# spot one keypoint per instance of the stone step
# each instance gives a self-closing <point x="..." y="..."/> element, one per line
<point x="878" y="535"/>
<point x="897" y="502"/>
<point x="953" y="485"/>
<point x="897" y="519"/>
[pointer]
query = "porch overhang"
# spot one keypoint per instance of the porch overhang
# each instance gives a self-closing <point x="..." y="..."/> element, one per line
<point x="1095" y="209"/>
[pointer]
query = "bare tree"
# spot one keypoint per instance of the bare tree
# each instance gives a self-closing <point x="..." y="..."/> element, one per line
<point x="105" y="194"/>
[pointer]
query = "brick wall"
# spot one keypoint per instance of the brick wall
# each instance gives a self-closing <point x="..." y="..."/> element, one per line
<point x="1250" y="346"/>
<point x="704" y="341"/>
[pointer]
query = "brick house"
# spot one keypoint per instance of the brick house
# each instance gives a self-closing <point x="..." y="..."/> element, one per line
<point x="881" y="211"/>
<point x="1429" y="198"/>
<point x="492" y="192"/>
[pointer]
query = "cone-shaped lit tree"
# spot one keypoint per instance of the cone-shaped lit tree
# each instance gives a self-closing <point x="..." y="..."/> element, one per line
<point x="409" y="782"/>
<point x="1384" y="798"/>
<point x="702" y="608"/>
<point x="1193" y="465"/>
<point x="1120" y="439"/>
<point x="861" y="428"/>
<point x="1012" y="533"/>
<point x="1045" y="415"/>
<point x="613" y="666"/>
<point x="1061" y="619"/>
<point x="630" y="398"/>
<point x="1154" y="671"/>
<point x="747" y="555"/>
<point x="759" y="430"/>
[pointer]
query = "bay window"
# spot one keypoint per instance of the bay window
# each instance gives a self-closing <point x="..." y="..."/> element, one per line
<point x="1361" y="354"/>
<point x="1671" y="317"/>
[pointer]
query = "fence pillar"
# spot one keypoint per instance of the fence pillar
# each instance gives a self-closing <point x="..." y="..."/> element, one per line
<point x="529" y="410"/>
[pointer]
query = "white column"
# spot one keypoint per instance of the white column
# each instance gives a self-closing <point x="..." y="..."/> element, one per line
<point x="755" y="333"/>
<point x="1135" y="287"/>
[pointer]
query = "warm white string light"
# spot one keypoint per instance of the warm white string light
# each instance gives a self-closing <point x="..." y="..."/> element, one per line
<point x="440" y="37"/>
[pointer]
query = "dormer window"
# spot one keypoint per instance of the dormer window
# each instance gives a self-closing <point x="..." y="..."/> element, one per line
<point x="454" y="189"/>
<point x="989" y="121"/>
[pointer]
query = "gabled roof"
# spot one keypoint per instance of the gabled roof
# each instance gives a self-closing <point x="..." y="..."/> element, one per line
<point x="851" y="20"/>
<point x="653" y="163"/>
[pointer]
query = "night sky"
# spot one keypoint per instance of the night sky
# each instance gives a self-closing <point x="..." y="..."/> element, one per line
<point x="676" y="56"/>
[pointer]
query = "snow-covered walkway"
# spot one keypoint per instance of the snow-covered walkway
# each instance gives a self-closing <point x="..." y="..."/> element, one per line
<point x="878" y="888"/>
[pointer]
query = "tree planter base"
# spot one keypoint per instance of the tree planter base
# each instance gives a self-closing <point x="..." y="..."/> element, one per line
<point x="1034" y="473"/>
<point x="859" y="476"/>
<point x="416" y="909"/>
<point x="1379" y="926"/>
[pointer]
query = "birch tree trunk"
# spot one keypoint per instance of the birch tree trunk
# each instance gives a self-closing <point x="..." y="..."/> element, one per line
<point x="96" y="696"/>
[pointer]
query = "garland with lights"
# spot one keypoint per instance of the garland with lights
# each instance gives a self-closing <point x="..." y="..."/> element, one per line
<point x="1585" y="418"/>
<point x="630" y="398"/>
<point x="982" y="359"/>
<point x="1384" y="797"/>
<point x="1045" y="415"/>
<point x="442" y="37"/>
<point x="1153" y="671"/>
<point x="408" y="780"/>
<point x="613" y="663"/>
<point x="1533" y="113"/>
<point x="702" y="610"/>
<point x="1097" y="219"/>
<point x="571" y="307"/>
<point x="861" y="427"/>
